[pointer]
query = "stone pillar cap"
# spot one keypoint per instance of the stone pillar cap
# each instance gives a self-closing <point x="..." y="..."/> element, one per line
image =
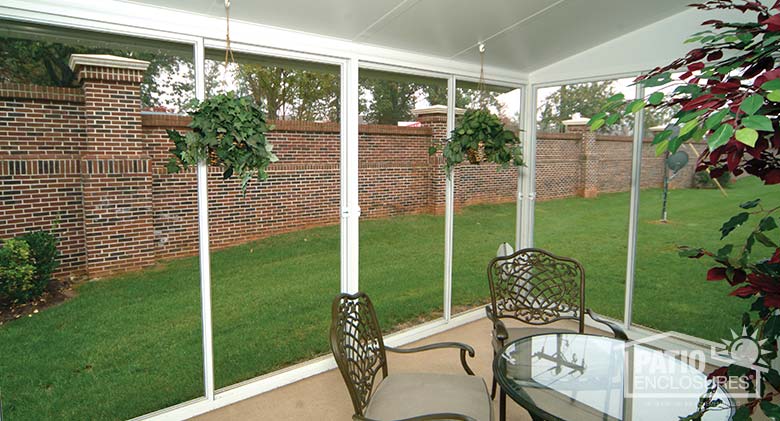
<point x="657" y="129"/>
<point x="106" y="60"/>
<point x="435" y="109"/>
<point x="576" y="120"/>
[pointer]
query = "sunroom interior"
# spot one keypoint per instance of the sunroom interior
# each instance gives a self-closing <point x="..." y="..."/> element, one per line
<point x="342" y="235"/>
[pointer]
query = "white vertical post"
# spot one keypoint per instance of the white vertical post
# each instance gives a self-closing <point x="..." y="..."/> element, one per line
<point x="519" y="211"/>
<point x="636" y="172"/>
<point x="449" y="205"/>
<point x="350" y="209"/>
<point x="203" y="238"/>
<point x="529" y="171"/>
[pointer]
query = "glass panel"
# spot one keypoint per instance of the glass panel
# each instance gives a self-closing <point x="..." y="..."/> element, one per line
<point x="275" y="268"/>
<point x="485" y="201"/>
<point x="583" y="182"/>
<point x="81" y="161"/>
<point x="679" y="206"/>
<point x="402" y="196"/>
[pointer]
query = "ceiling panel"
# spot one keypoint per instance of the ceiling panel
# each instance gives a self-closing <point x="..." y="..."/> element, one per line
<point x="520" y="35"/>
<point x="446" y="27"/>
<point x="570" y="28"/>
<point x="334" y="18"/>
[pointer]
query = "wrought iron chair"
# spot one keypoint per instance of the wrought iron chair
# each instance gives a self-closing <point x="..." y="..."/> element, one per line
<point x="359" y="349"/>
<point x="536" y="287"/>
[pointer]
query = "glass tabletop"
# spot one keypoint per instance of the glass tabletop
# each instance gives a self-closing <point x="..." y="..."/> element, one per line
<point x="570" y="376"/>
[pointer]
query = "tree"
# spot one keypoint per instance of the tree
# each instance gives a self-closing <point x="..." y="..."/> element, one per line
<point x="588" y="99"/>
<point x="584" y="98"/>
<point x="271" y="86"/>
<point x="168" y="82"/>
<point x="464" y="98"/>
<point x="387" y="101"/>
<point x="286" y="93"/>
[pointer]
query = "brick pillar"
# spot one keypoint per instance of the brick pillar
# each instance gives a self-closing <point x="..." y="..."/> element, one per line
<point x="589" y="162"/>
<point x="115" y="166"/>
<point x="435" y="117"/>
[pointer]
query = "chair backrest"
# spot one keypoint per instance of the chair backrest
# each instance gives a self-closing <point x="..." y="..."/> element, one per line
<point x="537" y="287"/>
<point x="357" y="345"/>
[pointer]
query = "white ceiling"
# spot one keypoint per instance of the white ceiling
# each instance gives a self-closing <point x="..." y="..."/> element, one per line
<point x="520" y="35"/>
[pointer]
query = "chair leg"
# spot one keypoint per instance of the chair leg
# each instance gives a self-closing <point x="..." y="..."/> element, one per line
<point x="493" y="389"/>
<point x="502" y="406"/>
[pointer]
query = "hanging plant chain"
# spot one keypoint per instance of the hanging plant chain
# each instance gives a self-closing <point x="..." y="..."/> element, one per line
<point x="227" y="130"/>
<point x="480" y="135"/>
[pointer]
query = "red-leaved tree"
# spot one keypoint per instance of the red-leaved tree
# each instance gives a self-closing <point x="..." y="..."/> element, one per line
<point x="728" y="94"/>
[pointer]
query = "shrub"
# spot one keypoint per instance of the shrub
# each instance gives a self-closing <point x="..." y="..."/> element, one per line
<point x="43" y="249"/>
<point x="16" y="271"/>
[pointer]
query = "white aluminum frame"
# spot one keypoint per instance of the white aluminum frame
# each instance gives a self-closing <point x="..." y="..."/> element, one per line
<point x="380" y="59"/>
<point x="636" y="157"/>
<point x="449" y="223"/>
<point x="449" y="203"/>
<point x="203" y="238"/>
<point x="205" y="32"/>
<point x="636" y="174"/>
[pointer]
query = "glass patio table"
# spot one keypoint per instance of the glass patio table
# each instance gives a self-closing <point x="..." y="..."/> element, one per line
<point x="571" y="376"/>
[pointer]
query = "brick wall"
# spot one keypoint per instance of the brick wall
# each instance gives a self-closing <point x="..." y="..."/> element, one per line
<point x="89" y="163"/>
<point x="41" y="138"/>
<point x="561" y="166"/>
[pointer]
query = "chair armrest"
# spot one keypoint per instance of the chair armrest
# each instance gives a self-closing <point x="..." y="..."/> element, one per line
<point x="499" y="328"/>
<point x="441" y="345"/>
<point x="616" y="329"/>
<point x="427" y="417"/>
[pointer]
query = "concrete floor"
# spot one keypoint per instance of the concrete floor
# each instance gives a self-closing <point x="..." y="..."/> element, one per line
<point x="325" y="397"/>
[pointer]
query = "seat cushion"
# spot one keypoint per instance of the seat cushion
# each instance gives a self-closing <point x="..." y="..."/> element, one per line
<point x="516" y="333"/>
<point x="406" y="395"/>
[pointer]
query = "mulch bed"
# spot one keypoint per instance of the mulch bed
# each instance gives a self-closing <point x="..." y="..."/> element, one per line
<point x="56" y="293"/>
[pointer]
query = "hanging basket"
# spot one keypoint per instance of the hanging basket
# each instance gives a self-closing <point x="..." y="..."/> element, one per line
<point x="481" y="137"/>
<point x="226" y="131"/>
<point x="476" y="156"/>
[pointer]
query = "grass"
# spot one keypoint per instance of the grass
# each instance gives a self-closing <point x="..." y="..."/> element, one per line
<point x="131" y="345"/>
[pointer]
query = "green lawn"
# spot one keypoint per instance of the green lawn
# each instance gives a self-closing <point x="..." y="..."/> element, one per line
<point x="130" y="345"/>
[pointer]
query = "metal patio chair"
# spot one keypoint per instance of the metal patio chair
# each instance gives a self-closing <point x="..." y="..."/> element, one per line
<point x="359" y="349"/>
<point x="537" y="288"/>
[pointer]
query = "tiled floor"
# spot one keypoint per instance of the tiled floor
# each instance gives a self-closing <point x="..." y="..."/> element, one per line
<point x="324" y="397"/>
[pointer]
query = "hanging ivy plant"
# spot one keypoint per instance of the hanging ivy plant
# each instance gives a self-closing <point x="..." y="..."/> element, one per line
<point x="228" y="131"/>
<point x="481" y="136"/>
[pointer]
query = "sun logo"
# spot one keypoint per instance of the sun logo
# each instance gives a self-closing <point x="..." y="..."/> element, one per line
<point x="746" y="349"/>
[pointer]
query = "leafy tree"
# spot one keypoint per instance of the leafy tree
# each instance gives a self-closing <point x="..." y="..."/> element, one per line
<point x="387" y="101"/>
<point x="286" y="93"/>
<point x="317" y="96"/>
<point x="168" y="82"/>
<point x="588" y="99"/>
<point x="464" y="98"/>
<point x="584" y="98"/>
<point x="271" y="86"/>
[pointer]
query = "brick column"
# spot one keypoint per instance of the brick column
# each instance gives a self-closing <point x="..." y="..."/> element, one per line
<point x="115" y="166"/>
<point x="589" y="162"/>
<point x="435" y="117"/>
